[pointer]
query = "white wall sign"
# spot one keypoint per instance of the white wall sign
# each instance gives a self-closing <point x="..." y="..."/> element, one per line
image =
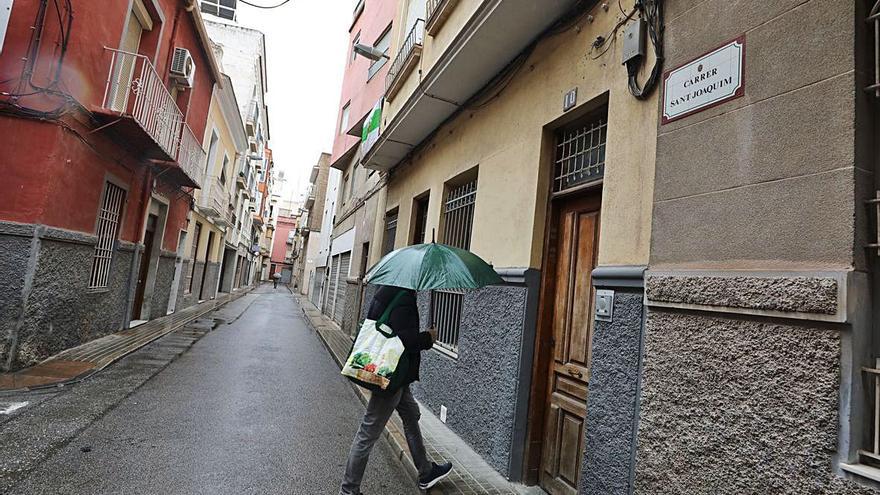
<point x="704" y="82"/>
<point x="5" y="12"/>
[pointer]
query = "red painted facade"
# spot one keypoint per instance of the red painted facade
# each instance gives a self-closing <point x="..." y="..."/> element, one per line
<point x="283" y="227"/>
<point x="55" y="168"/>
<point x="357" y="88"/>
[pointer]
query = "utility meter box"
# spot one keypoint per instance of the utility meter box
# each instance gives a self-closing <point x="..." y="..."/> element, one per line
<point x="634" y="41"/>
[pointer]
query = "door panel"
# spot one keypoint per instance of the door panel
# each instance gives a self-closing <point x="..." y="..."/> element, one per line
<point x="577" y="229"/>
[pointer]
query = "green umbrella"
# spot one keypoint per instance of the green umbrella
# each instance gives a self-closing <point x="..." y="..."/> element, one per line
<point x="432" y="267"/>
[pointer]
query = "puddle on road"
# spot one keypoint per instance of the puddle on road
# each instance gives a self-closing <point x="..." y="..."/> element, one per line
<point x="10" y="407"/>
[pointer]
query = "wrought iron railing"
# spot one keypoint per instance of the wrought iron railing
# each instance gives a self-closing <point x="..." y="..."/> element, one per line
<point x="874" y="20"/>
<point x="134" y="88"/>
<point x="413" y="40"/>
<point x="873" y="455"/>
<point x="446" y="309"/>
<point x="215" y="198"/>
<point x="190" y="155"/>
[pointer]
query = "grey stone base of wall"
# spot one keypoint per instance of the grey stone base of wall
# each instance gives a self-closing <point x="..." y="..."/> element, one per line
<point x="733" y="406"/>
<point x="352" y="308"/>
<point x="612" y="405"/>
<point x="162" y="289"/>
<point x="212" y="279"/>
<point x="479" y="387"/>
<point x="46" y="300"/>
<point x="187" y="298"/>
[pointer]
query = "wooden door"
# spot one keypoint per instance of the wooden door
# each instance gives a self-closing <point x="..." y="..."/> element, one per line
<point x="144" y="268"/>
<point x="568" y="373"/>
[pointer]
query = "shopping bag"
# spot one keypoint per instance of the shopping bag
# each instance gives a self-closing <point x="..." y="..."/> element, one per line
<point x="377" y="359"/>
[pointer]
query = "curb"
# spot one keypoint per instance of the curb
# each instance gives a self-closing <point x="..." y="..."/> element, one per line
<point x="83" y="376"/>
<point x="391" y="434"/>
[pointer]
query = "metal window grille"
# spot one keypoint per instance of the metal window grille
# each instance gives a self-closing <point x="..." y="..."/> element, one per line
<point x="580" y="153"/>
<point x="459" y="215"/>
<point x="447" y="304"/>
<point x="421" y="225"/>
<point x="109" y="218"/>
<point x="390" y="232"/>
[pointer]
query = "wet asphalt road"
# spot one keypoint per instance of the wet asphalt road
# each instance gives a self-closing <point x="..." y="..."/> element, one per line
<point x="256" y="406"/>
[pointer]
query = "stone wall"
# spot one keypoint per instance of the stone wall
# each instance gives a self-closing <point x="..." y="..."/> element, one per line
<point x="748" y="403"/>
<point x="162" y="289"/>
<point x="212" y="278"/>
<point x="612" y="404"/>
<point x="479" y="387"/>
<point x="61" y="311"/>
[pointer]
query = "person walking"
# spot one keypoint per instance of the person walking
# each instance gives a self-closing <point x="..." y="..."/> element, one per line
<point x="275" y="279"/>
<point x="404" y="320"/>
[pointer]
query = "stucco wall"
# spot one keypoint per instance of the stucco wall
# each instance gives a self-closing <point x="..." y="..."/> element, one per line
<point x="737" y="406"/>
<point x="479" y="388"/>
<point x="508" y="140"/>
<point x="61" y="312"/>
<point x="612" y="405"/>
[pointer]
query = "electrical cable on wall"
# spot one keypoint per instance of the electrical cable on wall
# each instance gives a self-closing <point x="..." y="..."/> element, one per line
<point x="651" y="12"/>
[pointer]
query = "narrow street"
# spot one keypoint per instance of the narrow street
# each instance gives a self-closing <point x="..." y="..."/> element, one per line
<point x="255" y="406"/>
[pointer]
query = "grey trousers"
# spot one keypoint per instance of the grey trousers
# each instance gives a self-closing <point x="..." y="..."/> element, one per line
<point x="379" y="411"/>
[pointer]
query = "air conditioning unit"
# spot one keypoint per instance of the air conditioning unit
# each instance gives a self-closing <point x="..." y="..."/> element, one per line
<point x="183" y="69"/>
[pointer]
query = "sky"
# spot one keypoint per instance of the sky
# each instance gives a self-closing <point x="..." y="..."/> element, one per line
<point x="306" y="47"/>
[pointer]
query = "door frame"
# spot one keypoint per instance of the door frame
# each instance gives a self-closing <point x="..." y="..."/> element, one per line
<point x="537" y="407"/>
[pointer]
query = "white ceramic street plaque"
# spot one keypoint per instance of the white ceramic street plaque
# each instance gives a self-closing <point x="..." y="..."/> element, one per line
<point x="704" y="82"/>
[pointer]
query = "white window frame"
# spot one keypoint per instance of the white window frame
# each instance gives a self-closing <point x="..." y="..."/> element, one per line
<point x="377" y="65"/>
<point x="344" y="116"/>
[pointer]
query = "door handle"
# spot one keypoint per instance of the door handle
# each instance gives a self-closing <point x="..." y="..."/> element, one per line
<point x="575" y="372"/>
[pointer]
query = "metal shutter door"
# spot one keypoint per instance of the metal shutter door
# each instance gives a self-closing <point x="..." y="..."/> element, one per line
<point x="331" y="288"/>
<point x="341" y="287"/>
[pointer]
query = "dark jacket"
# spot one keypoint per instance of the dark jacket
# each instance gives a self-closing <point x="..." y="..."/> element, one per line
<point x="404" y="320"/>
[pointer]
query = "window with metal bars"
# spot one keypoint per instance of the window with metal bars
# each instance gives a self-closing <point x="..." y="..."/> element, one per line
<point x="220" y="8"/>
<point x="446" y="305"/>
<point x="390" y="232"/>
<point x="420" y="225"/>
<point x="580" y="152"/>
<point x="109" y="218"/>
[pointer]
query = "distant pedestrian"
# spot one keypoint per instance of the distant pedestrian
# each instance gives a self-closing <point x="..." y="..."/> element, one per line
<point x="404" y="321"/>
<point x="275" y="279"/>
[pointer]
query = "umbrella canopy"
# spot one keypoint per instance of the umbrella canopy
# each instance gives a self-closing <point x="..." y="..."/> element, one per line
<point x="433" y="267"/>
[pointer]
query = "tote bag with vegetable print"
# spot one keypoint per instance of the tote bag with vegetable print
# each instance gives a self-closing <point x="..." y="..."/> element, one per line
<point x="378" y="359"/>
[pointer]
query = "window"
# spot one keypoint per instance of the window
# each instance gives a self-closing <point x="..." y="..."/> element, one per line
<point x="357" y="39"/>
<point x="223" y="170"/>
<point x="383" y="44"/>
<point x="446" y="305"/>
<point x="343" y="120"/>
<point x="390" y="232"/>
<point x="109" y="218"/>
<point x="345" y="189"/>
<point x="212" y="152"/>
<point x="197" y="236"/>
<point x="220" y="8"/>
<point x="580" y="152"/>
<point x="420" y="221"/>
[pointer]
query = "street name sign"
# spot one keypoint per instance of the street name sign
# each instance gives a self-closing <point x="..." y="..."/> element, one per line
<point x="706" y="81"/>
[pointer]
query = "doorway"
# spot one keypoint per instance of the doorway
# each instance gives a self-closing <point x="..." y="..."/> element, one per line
<point x="144" y="268"/>
<point x="207" y="263"/>
<point x="566" y="326"/>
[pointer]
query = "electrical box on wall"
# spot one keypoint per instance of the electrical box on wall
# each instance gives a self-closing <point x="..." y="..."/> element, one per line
<point x="634" y="41"/>
<point x="5" y="12"/>
<point x="604" y="305"/>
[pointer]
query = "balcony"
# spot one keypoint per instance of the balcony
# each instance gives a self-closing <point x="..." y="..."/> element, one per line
<point x="310" y="198"/>
<point x="141" y="111"/>
<point x="437" y="13"/>
<point x="407" y="58"/>
<point x="214" y="201"/>
<point x="494" y="35"/>
<point x="190" y="158"/>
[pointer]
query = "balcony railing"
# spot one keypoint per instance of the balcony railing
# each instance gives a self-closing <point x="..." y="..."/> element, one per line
<point x="134" y="88"/>
<point x="215" y="199"/>
<point x="437" y="13"/>
<point x="190" y="155"/>
<point x="406" y="58"/>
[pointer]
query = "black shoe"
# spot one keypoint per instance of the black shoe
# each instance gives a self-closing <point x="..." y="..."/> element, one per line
<point x="438" y="472"/>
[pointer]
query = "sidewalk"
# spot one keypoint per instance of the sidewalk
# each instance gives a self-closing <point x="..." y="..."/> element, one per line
<point x="82" y="361"/>
<point x="471" y="476"/>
